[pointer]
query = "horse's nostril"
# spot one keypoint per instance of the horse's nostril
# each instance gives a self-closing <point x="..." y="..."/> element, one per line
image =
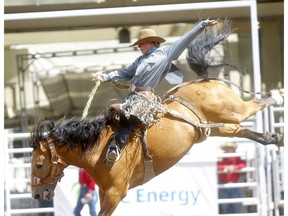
<point x="36" y="196"/>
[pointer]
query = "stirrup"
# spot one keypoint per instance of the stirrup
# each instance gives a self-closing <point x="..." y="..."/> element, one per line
<point x="113" y="154"/>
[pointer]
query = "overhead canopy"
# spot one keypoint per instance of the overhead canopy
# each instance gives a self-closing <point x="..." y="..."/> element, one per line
<point x="129" y="16"/>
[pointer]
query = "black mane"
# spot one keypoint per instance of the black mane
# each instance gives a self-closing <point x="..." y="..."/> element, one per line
<point x="75" y="133"/>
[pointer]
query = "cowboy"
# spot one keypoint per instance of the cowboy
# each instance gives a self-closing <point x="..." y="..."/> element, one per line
<point x="145" y="73"/>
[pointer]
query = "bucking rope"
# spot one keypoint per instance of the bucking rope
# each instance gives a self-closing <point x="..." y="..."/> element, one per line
<point x="91" y="96"/>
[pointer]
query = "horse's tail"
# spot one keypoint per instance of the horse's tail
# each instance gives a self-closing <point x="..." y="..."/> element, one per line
<point x="198" y="51"/>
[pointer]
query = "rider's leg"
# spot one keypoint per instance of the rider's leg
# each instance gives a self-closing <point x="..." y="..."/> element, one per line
<point x="118" y="142"/>
<point x="126" y="124"/>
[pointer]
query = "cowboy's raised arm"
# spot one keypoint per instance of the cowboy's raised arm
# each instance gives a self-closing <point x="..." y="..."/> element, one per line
<point x="177" y="48"/>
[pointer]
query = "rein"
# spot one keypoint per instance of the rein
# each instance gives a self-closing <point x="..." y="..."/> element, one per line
<point x="58" y="165"/>
<point x="91" y="96"/>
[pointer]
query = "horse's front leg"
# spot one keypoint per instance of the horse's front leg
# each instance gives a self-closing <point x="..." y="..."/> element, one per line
<point x="110" y="199"/>
<point x="236" y="130"/>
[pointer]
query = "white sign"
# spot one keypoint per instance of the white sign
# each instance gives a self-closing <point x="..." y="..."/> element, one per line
<point x="185" y="189"/>
<point x="188" y="189"/>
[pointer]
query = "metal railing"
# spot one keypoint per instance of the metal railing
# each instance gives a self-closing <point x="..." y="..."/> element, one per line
<point x="11" y="194"/>
<point x="250" y="182"/>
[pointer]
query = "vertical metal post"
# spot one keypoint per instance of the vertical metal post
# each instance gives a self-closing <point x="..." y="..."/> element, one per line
<point x="6" y="175"/>
<point x="22" y="96"/>
<point x="2" y="173"/>
<point x="36" y="97"/>
<point x="263" y="208"/>
<point x="276" y="182"/>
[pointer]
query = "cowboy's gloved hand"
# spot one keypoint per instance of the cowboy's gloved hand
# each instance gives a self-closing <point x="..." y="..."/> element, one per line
<point x="100" y="78"/>
<point x="210" y="22"/>
<point x="97" y="77"/>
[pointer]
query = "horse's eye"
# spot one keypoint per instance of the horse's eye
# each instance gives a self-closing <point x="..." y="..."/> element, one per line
<point x="38" y="165"/>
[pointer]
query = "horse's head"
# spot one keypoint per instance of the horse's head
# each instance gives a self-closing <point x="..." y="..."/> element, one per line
<point x="46" y="170"/>
<point x="46" y="166"/>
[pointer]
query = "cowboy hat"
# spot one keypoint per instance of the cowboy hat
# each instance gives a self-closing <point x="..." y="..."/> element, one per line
<point x="148" y="35"/>
<point x="228" y="145"/>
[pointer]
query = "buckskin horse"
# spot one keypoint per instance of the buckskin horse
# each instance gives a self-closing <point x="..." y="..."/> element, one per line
<point x="194" y="110"/>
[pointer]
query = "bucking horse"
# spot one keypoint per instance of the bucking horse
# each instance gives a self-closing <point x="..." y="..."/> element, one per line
<point x="192" y="111"/>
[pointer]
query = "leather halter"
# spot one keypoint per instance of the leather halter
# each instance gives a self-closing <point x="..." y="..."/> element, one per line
<point x="58" y="165"/>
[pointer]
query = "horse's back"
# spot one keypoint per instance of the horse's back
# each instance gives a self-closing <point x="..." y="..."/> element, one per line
<point x="216" y="101"/>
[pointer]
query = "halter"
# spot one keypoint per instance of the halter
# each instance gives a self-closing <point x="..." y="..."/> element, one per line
<point x="56" y="171"/>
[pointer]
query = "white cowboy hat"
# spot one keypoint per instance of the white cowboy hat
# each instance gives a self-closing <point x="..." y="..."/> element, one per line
<point x="228" y="145"/>
<point x="148" y="35"/>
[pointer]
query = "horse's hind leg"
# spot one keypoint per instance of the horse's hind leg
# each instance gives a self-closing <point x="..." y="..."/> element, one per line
<point x="255" y="105"/>
<point x="228" y="107"/>
<point x="236" y="130"/>
<point x="277" y="97"/>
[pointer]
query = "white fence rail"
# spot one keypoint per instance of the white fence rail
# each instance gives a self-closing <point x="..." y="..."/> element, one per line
<point x="12" y="194"/>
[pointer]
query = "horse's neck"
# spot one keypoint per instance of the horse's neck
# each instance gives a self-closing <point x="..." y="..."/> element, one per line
<point x="90" y="157"/>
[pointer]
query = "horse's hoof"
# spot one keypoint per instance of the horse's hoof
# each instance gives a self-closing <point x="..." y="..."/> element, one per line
<point x="280" y="139"/>
<point x="281" y="91"/>
<point x="277" y="96"/>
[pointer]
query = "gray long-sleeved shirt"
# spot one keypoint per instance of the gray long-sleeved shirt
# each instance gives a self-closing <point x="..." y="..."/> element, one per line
<point x="150" y="68"/>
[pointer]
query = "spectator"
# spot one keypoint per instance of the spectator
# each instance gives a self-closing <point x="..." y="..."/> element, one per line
<point x="87" y="194"/>
<point x="227" y="168"/>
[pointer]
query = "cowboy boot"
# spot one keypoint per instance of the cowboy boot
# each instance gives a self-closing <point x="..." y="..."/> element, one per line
<point x="118" y="141"/>
<point x="113" y="153"/>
